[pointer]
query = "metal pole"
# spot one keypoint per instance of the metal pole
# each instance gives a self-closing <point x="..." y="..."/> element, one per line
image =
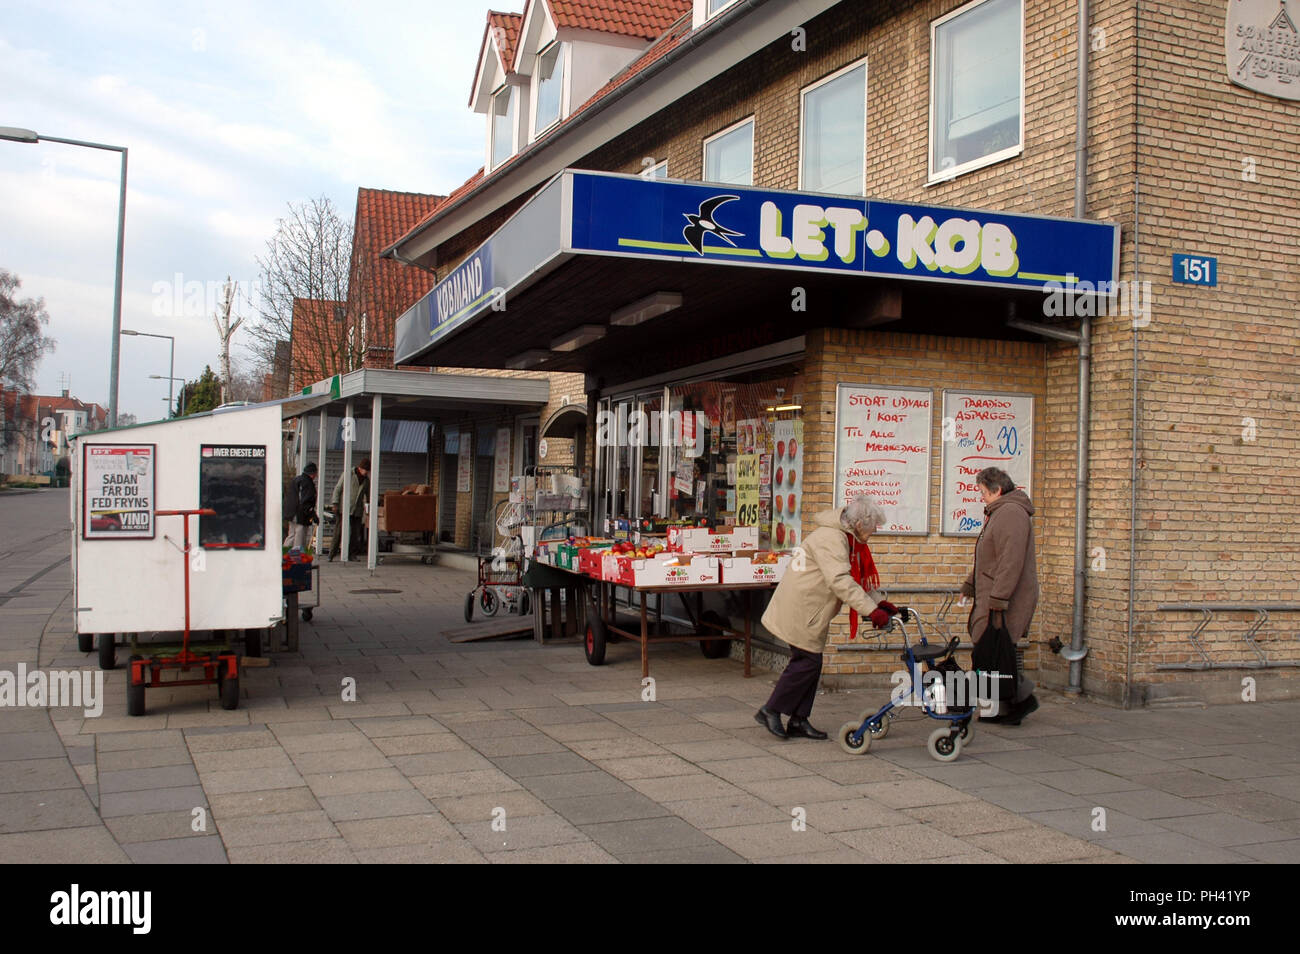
<point x="320" y="479"/>
<point x="171" y="378"/>
<point x="345" y="512"/>
<point x="117" y="298"/>
<point x="376" y="431"/>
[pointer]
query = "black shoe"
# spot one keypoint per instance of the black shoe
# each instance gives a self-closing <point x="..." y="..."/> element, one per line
<point x="802" y="727"/>
<point x="1020" y="710"/>
<point x="772" y="721"/>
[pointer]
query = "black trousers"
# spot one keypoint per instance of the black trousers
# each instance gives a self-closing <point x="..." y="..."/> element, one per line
<point x="358" y="543"/>
<point x="797" y="688"/>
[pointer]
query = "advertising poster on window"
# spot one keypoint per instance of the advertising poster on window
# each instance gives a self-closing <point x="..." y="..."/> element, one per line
<point x="501" y="465"/>
<point x="465" y="463"/>
<point x="232" y="482"/>
<point x="882" y="450"/>
<point x="787" y="484"/>
<point x="118" y="492"/>
<point x="747" y="490"/>
<point x="982" y="429"/>
<point x="749" y="434"/>
<point x="729" y="414"/>
<point x="764" y="493"/>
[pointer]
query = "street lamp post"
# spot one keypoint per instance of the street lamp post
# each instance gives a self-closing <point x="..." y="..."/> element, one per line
<point x="171" y="362"/>
<point x="13" y="134"/>
<point x="159" y="377"/>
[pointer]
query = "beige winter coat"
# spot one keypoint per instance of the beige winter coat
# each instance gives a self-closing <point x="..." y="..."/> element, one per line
<point x="815" y="588"/>
<point x="1005" y="575"/>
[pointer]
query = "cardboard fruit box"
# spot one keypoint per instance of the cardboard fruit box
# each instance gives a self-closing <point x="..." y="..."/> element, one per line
<point x="705" y="540"/>
<point x="743" y="569"/>
<point x="589" y="560"/>
<point x="663" y="570"/>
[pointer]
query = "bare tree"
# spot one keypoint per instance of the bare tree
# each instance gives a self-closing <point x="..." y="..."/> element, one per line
<point x="23" y="342"/>
<point x="304" y="276"/>
<point x="226" y="329"/>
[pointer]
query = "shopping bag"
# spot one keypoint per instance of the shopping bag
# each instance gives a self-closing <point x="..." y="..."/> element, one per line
<point x="995" y="656"/>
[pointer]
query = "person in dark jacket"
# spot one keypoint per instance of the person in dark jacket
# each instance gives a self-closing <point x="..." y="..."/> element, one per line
<point x="300" y="507"/>
<point x="1004" y="580"/>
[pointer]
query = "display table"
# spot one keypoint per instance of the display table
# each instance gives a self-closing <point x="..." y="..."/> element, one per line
<point x="712" y="631"/>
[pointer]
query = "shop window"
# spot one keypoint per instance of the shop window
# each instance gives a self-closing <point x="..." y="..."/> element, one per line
<point x="833" y="150"/>
<point x="550" y="84"/>
<point x="503" y="125"/>
<point x="729" y="155"/>
<point x="976" y="87"/>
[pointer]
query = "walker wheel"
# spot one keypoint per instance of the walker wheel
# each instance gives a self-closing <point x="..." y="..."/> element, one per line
<point x="944" y="744"/>
<point x="489" y="602"/>
<point x="469" y="606"/>
<point x="878" y="729"/>
<point x="851" y="745"/>
<point x="967" y="731"/>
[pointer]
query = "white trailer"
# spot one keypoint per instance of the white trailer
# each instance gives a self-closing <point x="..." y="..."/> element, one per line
<point x="130" y="567"/>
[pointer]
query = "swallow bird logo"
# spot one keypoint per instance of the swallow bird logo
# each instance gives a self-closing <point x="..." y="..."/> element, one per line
<point x="704" y="223"/>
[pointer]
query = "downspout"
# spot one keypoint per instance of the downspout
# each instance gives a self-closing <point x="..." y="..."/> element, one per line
<point x="1137" y="277"/>
<point x="1077" y="652"/>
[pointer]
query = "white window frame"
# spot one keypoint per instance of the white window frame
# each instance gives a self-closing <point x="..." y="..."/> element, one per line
<point x="937" y="177"/>
<point x="649" y="173"/>
<point x="803" y="94"/>
<point x="508" y="90"/>
<point x="753" y="148"/>
<point x="708" y="15"/>
<point x="562" y="58"/>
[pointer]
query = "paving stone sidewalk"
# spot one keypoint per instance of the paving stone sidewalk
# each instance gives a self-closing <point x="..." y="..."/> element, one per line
<point x="510" y="752"/>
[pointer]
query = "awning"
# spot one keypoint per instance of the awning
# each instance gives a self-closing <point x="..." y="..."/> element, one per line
<point x="600" y="270"/>
<point x="566" y="422"/>
<point x="420" y="395"/>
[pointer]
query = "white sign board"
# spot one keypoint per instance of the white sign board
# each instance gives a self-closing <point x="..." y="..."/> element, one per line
<point x="982" y="429"/>
<point x="882" y="450"/>
<point x="118" y="492"/>
<point x="501" y="466"/>
<point x="465" y="462"/>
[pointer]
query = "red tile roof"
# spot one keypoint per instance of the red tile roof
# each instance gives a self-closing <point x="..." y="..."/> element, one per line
<point x="318" y="341"/>
<point x="505" y="27"/>
<point x="642" y="18"/>
<point x="615" y="16"/>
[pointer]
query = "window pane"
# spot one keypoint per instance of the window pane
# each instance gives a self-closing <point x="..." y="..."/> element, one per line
<point x="549" y="76"/>
<point x="716" y="5"/>
<point x="730" y="158"/>
<point x="503" y="117"/>
<point x="977" y="84"/>
<point x="834" y="134"/>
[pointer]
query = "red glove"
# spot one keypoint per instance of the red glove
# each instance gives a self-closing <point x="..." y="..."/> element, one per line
<point x="888" y="607"/>
<point x="879" y="618"/>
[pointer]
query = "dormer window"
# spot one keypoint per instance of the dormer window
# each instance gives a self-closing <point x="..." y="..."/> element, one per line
<point x="503" y="125"/>
<point x="550" y="86"/>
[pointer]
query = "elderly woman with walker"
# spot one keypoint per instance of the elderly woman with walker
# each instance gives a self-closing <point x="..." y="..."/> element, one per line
<point x="834" y="568"/>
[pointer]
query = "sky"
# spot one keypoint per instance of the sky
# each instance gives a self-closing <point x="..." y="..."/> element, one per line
<point x="230" y="111"/>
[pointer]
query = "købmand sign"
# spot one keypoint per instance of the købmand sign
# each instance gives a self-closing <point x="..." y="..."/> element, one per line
<point x="1262" y="46"/>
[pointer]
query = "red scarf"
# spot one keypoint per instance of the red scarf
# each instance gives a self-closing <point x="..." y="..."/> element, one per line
<point x="863" y="568"/>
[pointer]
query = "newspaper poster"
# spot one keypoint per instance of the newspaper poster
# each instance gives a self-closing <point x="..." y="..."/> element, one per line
<point x="117" y="492"/>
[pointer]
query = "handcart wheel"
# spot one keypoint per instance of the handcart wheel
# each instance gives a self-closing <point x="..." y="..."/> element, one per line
<point x="714" y="648"/>
<point x="524" y="604"/>
<point x="469" y="606"/>
<point x="134" y="693"/>
<point x="253" y="642"/>
<point x="878" y="730"/>
<point x="489" y="602"/>
<point x="229" y="691"/>
<point x="107" y="650"/>
<point x="851" y="745"/>
<point x="85" y="642"/>
<point x="944" y="744"/>
<point x="306" y="614"/>
<point x="593" y="643"/>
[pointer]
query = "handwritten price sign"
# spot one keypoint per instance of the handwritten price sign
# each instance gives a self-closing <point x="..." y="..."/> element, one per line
<point x="982" y="429"/>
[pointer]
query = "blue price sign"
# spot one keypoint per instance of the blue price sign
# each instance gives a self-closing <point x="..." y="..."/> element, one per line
<point x="1196" y="270"/>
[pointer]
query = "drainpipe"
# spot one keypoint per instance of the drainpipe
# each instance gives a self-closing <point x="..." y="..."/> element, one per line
<point x="1077" y="652"/>
<point x="1137" y="278"/>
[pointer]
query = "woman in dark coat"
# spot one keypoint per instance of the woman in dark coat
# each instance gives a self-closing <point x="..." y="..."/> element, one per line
<point x="1004" y="580"/>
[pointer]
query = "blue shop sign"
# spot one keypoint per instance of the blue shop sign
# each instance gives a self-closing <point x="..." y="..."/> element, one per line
<point x="719" y="223"/>
<point x="463" y="292"/>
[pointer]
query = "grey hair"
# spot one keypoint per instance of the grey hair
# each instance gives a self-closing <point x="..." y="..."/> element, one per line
<point x="864" y="513"/>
